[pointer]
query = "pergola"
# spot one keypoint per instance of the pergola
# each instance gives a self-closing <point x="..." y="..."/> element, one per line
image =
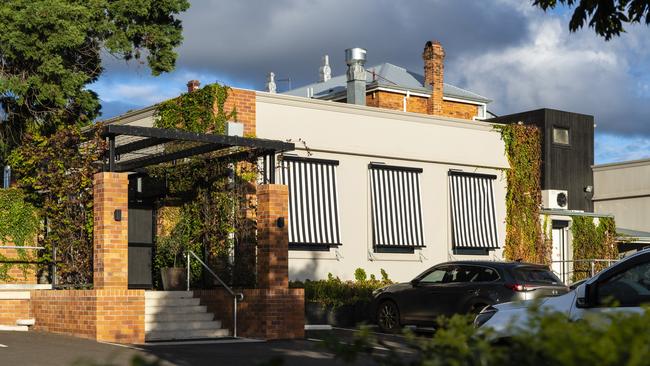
<point x="132" y="148"/>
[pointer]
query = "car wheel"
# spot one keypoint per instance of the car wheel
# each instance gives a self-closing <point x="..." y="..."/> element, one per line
<point x="388" y="317"/>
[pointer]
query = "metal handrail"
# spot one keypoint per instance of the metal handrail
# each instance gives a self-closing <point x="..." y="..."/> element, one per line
<point x="19" y="247"/>
<point x="236" y="296"/>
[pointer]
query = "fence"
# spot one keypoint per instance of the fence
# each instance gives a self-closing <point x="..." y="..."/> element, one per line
<point x="578" y="269"/>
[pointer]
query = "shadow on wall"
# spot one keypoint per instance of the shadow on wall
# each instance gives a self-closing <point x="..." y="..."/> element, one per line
<point x="308" y="270"/>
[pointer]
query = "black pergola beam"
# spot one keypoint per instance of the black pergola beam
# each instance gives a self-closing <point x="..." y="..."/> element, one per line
<point x="130" y="165"/>
<point x="223" y="140"/>
<point x="139" y="145"/>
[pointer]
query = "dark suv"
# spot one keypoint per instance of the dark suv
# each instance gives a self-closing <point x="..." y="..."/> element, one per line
<point x="460" y="288"/>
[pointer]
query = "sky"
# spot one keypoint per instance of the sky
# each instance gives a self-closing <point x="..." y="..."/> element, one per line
<point x="506" y="50"/>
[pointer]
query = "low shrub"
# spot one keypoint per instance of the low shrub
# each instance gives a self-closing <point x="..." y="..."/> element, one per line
<point x="335" y="292"/>
<point x="547" y="338"/>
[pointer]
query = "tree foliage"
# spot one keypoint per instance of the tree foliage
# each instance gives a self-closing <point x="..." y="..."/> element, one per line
<point x="56" y="174"/>
<point x="607" y="17"/>
<point x="50" y="50"/>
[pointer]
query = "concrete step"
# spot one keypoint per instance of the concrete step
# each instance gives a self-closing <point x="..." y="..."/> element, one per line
<point x="27" y="322"/>
<point x="26" y="286"/>
<point x="159" y="335"/>
<point x="194" y="325"/>
<point x="14" y="328"/>
<point x="175" y="309"/>
<point x="178" y="317"/>
<point x="168" y="295"/>
<point x="171" y="302"/>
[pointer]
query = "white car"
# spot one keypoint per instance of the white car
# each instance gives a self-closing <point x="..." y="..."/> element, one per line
<point x="625" y="284"/>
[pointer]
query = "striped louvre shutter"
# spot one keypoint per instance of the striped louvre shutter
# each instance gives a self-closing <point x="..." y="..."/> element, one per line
<point x="473" y="215"/>
<point x="396" y="206"/>
<point x="313" y="201"/>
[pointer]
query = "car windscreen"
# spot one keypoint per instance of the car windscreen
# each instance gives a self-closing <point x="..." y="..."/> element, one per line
<point x="535" y="275"/>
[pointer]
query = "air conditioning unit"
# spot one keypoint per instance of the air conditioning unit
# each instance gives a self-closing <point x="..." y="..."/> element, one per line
<point x="554" y="199"/>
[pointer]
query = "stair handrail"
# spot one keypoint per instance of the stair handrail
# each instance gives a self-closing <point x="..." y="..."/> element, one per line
<point x="236" y="296"/>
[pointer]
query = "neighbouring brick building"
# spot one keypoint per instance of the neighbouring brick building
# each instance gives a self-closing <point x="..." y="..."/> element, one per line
<point x="392" y="87"/>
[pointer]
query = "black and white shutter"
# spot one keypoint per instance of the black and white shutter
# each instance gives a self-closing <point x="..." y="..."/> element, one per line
<point x="313" y="201"/>
<point x="396" y="206"/>
<point x="473" y="215"/>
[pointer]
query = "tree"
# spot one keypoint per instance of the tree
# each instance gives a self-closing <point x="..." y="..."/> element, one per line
<point x="607" y="17"/>
<point x="50" y="50"/>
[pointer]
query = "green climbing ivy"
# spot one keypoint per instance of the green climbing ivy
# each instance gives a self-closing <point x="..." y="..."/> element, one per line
<point x="592" y="241"/>
<point x="212" y="196"/>
<point x="523" y="228"/>
<point x="19" y="225"/>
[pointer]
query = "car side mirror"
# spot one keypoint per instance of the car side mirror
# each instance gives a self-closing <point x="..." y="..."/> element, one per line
<point x="415" y="282"/>
<point x="587" y="299"/>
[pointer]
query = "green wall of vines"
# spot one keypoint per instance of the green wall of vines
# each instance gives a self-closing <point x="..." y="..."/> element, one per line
<point x="19" y="226"/>
<point x="523" y="228"/>
<point x="592" y="241"/>
<point x="211" y="195"/>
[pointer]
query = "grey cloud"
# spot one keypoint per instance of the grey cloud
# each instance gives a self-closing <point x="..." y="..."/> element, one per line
<point x="246" y="39"/>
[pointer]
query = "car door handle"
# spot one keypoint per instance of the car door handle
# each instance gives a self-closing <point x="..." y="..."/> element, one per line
<point x="475" y="292"/>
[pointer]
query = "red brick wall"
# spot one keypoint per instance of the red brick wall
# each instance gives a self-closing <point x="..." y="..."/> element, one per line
<point x="70" y="312"/>
<point x="272" y="241"/>
<point x="110" y="239"/>
<point x="395" y="101"/>
<point x="120" y="316"/>
<point x="459" y="110"/>
<point x="104" y="315"/>
<point x="244" y="102"/>
<point x="267" y="314"/>
<point x="12" y="310"/>
<point x="15" y="271"/>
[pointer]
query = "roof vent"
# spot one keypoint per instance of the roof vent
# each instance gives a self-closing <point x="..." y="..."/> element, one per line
<point x="356" y="86"/>
<point x="325" y="70"/>
<point x="270" y="83"/>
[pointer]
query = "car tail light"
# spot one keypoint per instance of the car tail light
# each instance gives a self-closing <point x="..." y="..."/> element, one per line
<point x="517" y="287"/>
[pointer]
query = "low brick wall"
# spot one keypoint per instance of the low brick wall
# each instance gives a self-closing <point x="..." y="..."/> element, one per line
<point x="103" y="315"/>
<point x="12" y="310"/>
<point x="264" y="313"/>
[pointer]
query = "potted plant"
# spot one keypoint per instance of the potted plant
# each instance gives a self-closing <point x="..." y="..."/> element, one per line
<point x="169" y="253"/>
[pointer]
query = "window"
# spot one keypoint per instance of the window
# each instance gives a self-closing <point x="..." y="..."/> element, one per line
<point x="435" y="276"/>
<point x="313" y="203"/>
<point x="561" y="136"/>
<point x="396" y="207"/>
<point x="472" y="273"/>
<point x="473" y="214"/>
<point x="628" y="288"/>
<point x="533" y="275"/>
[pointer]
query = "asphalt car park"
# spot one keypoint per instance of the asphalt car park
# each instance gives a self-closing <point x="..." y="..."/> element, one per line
<point x="36" y="348"/>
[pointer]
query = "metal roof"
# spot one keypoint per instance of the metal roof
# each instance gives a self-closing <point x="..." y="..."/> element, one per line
<point x="389" y="76"/>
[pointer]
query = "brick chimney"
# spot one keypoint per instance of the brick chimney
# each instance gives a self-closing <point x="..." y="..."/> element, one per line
<point x="193" y="85"/>
<point x="434" y="71"/>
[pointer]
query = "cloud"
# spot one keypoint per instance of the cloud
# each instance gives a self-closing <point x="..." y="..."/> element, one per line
<point x="613" y="148"/>
<point x="507" y="50"/>
<point x="556" y="69"/>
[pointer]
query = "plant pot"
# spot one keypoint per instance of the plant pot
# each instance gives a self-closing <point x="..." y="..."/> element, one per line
<point x="316" y="313"/>
<point x="174" y="278"/>
<point x="342" y="316"/>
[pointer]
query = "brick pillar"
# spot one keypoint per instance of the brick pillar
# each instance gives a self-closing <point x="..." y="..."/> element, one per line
<point x="272" y="241"/>
<point x="111" y="237"/>
<point x="434" y="72"/>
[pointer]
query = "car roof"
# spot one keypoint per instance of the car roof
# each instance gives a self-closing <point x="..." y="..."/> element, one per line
<point x="508" y="264"/>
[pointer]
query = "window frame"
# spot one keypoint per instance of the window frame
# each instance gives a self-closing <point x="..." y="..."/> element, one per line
<point x="568" y="135"/>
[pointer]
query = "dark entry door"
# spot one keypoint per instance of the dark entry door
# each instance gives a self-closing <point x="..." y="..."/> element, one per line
<point x="141" y="239"/>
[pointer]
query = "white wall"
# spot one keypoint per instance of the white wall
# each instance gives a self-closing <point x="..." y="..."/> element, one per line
<point x="358" y="135"/>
